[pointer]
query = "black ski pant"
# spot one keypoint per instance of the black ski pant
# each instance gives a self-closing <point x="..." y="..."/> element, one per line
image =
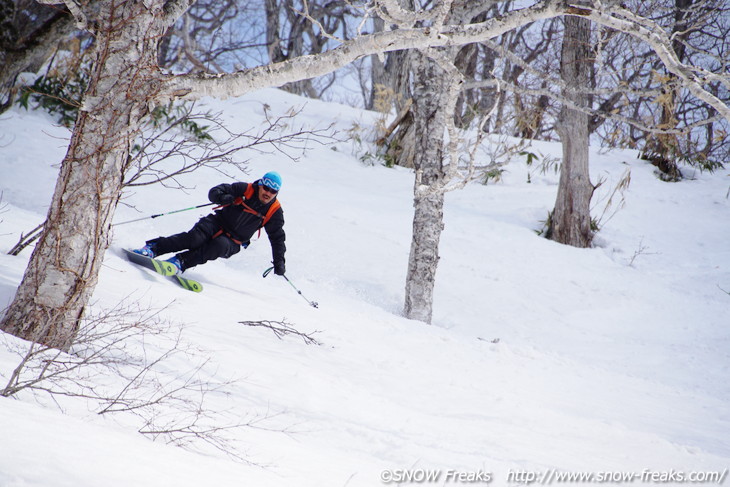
<point x="199" y="243"/>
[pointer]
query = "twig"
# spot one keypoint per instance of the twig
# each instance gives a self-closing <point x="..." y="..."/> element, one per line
<point x="281" y="329"/>
<point x="26" y="240"/>
<point x="641" y="251"/>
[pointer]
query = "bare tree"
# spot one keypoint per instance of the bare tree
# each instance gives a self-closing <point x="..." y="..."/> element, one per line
<point x="114" y="378"/>
<point x="126" y="82"/>
<point x="200" y="40"/>
<point x="430" y="113"/>
<point x="695" y="26"/>
<point x="571" y="220"/>
<point x="295" y="28"/>
<point x="662" y="148"/>
<point x="681" y="128"/>
<point x="391" y="72"/>
<point x="66" y="260"/>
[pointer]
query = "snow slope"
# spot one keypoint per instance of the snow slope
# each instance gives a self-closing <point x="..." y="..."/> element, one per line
<point x="541" y="360"/>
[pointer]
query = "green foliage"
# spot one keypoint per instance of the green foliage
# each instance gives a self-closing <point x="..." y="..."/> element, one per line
<point x="595" y="225"/>
<point x="546" y="226"/>
<point x="59" y="97"/>
<point x="368" y="158"/>
<point x="384" y="158"/>
<point x="178" y="115"/>
<point x="702" y="162"/>
<point x="494" y="175"/>
<point x="544" y="164"/>
<point x="530" y="157"/>
<point x="388" y="160"/>
<point x="59" y="91"/>
<point x="388" y="154"/>
<point x="668" y="164"/>
<point x="381" y="155"/>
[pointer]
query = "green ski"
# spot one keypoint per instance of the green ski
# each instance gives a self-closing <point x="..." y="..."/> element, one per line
<point x="164" y="268"/>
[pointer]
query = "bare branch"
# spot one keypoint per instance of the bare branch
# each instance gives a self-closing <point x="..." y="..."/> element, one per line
<point x="216" y="147"/>
<point x="282" y="329"/>
<point x="316" y="22"/>
<point x="194" y="86"/>
<point x="304" y="67"/>
<point x="694" y="78"/>
<point x="131" y="347"/>
<point x="26" y="239"/>
<point x="82" y="22"/>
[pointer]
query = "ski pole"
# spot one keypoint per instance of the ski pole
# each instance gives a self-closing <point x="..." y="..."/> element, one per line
<point x="163" y="214"/>
<point x="313" y="304"/>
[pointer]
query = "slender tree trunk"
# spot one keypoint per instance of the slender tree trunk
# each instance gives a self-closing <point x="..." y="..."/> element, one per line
<point x="430" y="117"/>
<point x="663" y="150"/>
<point x="273" y="36"/>
<point x="571" y="219"/>
<point x="63" y="269"/>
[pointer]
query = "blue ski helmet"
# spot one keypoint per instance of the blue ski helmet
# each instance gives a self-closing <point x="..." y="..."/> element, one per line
<point x="272" y="180"/>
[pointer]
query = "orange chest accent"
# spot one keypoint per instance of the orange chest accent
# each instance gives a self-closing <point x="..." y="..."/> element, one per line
<point x="248" y="194"/>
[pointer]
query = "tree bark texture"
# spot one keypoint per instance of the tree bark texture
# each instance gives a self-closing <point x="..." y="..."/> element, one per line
<point x="430" y="124"/>
<point x="571" y="219"/>
<point x="63" y="268"/>
<point x="27" y="46"/>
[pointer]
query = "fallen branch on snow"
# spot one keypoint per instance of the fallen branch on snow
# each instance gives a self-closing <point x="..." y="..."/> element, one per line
<point x="281" y="329"/>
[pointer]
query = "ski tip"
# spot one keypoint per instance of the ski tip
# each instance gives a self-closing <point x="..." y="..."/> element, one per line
<point x="188" y="284"/>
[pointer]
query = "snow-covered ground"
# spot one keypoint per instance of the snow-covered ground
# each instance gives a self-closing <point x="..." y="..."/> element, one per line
<point x="542" y="359"/>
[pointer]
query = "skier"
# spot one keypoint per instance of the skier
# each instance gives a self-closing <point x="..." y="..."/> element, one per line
<point x="244" y="209"/>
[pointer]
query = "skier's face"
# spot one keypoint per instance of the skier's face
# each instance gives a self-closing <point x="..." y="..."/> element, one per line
<point x="266" y="194"/>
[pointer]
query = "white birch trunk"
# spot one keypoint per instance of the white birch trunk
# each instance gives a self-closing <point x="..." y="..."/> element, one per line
<point x="65" y="264"/>
<point x="430" y="123"/>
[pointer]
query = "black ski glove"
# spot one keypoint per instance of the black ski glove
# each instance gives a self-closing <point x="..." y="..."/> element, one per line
<point x="279" y="268"/>
<point x="225" y="199"/>
<point x="220" y="195"/>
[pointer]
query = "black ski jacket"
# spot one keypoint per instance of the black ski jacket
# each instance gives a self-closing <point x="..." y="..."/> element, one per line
<point x="241" y="225"/>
